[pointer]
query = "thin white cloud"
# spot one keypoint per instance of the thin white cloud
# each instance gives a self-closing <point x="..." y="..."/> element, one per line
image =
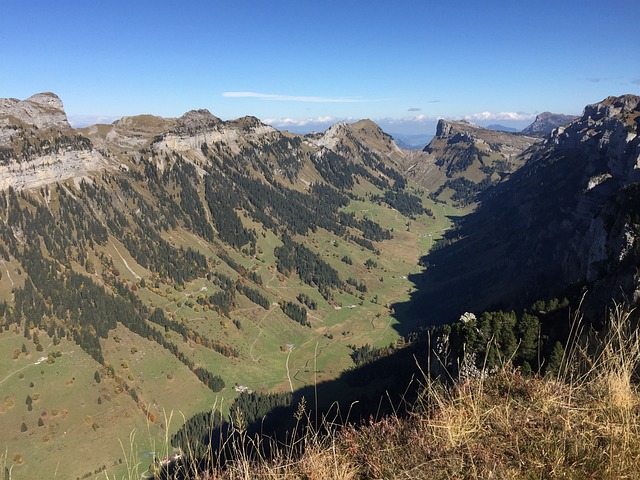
<point x="299" y="122"/>
<point x="422" y="118"/>
<point x="500" y="116"/>
<point x="292" y="98"/>
<point x="414" y="109"/>
<point x="636" y="81"/>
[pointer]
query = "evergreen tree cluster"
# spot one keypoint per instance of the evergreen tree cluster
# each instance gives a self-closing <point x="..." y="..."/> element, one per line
<point x="404" y="202"/>
<point x="250" y="412"/>
<point x="466" y="191"/>
<point x="526" y="340"/>
<point x="253" y="294"/>
<point x="293" y="257"/>
<point x="187" y="179"/>
<point x="295" y="312"/>
<point x="367" y="353"/>
<point x="364" y="243"/>
<point x="359" y="286"/>
<point x="253" y="408"/>
<point x="224" y="301"/>
<point x="308" y="301"/>
<point x="28" y="145"/>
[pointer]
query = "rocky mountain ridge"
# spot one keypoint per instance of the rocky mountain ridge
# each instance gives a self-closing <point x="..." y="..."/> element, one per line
<point x="463" y="159"/>
<point x="39" y="147"/>
<point x="567" y="217"/>
<point x="211" y="243"/>
<point x="42" y="110"/>
<point x="208" y="246"/>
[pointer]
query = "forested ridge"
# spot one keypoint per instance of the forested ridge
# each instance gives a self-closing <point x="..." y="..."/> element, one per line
<point x="69" y="242"/>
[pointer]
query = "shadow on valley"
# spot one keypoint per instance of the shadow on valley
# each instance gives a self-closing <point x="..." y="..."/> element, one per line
<point x="463" y="273"/>
<point x="470" y="270"/>
<point x="388" y="385"/>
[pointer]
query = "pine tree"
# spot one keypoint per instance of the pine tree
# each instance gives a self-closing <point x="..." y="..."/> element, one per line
<point x="555" y="361"/>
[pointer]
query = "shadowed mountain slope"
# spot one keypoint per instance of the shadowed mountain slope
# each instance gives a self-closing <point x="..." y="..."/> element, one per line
<point x="568" y="217"/>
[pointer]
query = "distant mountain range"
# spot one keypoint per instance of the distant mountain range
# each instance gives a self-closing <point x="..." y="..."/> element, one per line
<point x="464" y="159"/>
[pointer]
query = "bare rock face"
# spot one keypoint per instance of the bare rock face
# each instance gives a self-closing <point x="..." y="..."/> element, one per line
<point x="43" y="110"/>
<point x="197" y="121"/>
<point x="607" y="137"/>
<point x="134" y="132"/>
<point x="569" y="216"/>
<point x="39" y="147"/>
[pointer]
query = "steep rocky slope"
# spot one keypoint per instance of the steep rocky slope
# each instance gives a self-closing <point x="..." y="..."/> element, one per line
<point x="568" y="217"/>
<point x="464" y="159"/>
<point x="39" y="147"/>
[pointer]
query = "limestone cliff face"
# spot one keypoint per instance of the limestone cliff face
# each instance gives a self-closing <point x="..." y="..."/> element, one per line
<point x="586" y="169"/>
<point x="608" y="142"/>
<point x="360" y="141"/>
<point x="43" y="110"/>
<point x="38" y="146"/>
<point x="199" y="127"/>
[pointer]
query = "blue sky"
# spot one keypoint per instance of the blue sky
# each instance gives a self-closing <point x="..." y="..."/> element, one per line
<point x="304" y="64"/>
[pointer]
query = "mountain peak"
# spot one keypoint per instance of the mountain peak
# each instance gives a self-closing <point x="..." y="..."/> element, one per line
<point x="611" y="107"/>
<point x="47" y="99"/>
<point x="196" y="121"/>
<point x="446" y="127"/>
<point x="250" y="124"/>
<point x="42" y="110"/>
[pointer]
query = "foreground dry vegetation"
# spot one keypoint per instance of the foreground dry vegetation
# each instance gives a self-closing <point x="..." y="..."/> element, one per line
<point x="583" y="422"/>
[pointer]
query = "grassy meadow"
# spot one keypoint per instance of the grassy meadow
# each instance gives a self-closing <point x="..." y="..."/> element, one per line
<point x="275" y="353"/>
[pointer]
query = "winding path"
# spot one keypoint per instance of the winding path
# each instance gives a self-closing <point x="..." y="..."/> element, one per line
<point x="287" y="365"/>
<point x="38" y="362"/>
<point x="8" y="274"/>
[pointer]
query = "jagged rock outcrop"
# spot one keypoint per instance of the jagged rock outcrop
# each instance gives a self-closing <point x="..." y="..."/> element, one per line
<point x="568" y="217"/>
<point x="38" y="146"/>
<point x="196" y="121"/>
<point x="546" y="122"/>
